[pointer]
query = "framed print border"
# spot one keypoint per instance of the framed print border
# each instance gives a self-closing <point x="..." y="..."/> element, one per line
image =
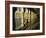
<point x="7" y="18"/>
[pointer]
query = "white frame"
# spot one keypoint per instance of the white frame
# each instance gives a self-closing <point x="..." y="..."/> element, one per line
<point x="26" y="31"/>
